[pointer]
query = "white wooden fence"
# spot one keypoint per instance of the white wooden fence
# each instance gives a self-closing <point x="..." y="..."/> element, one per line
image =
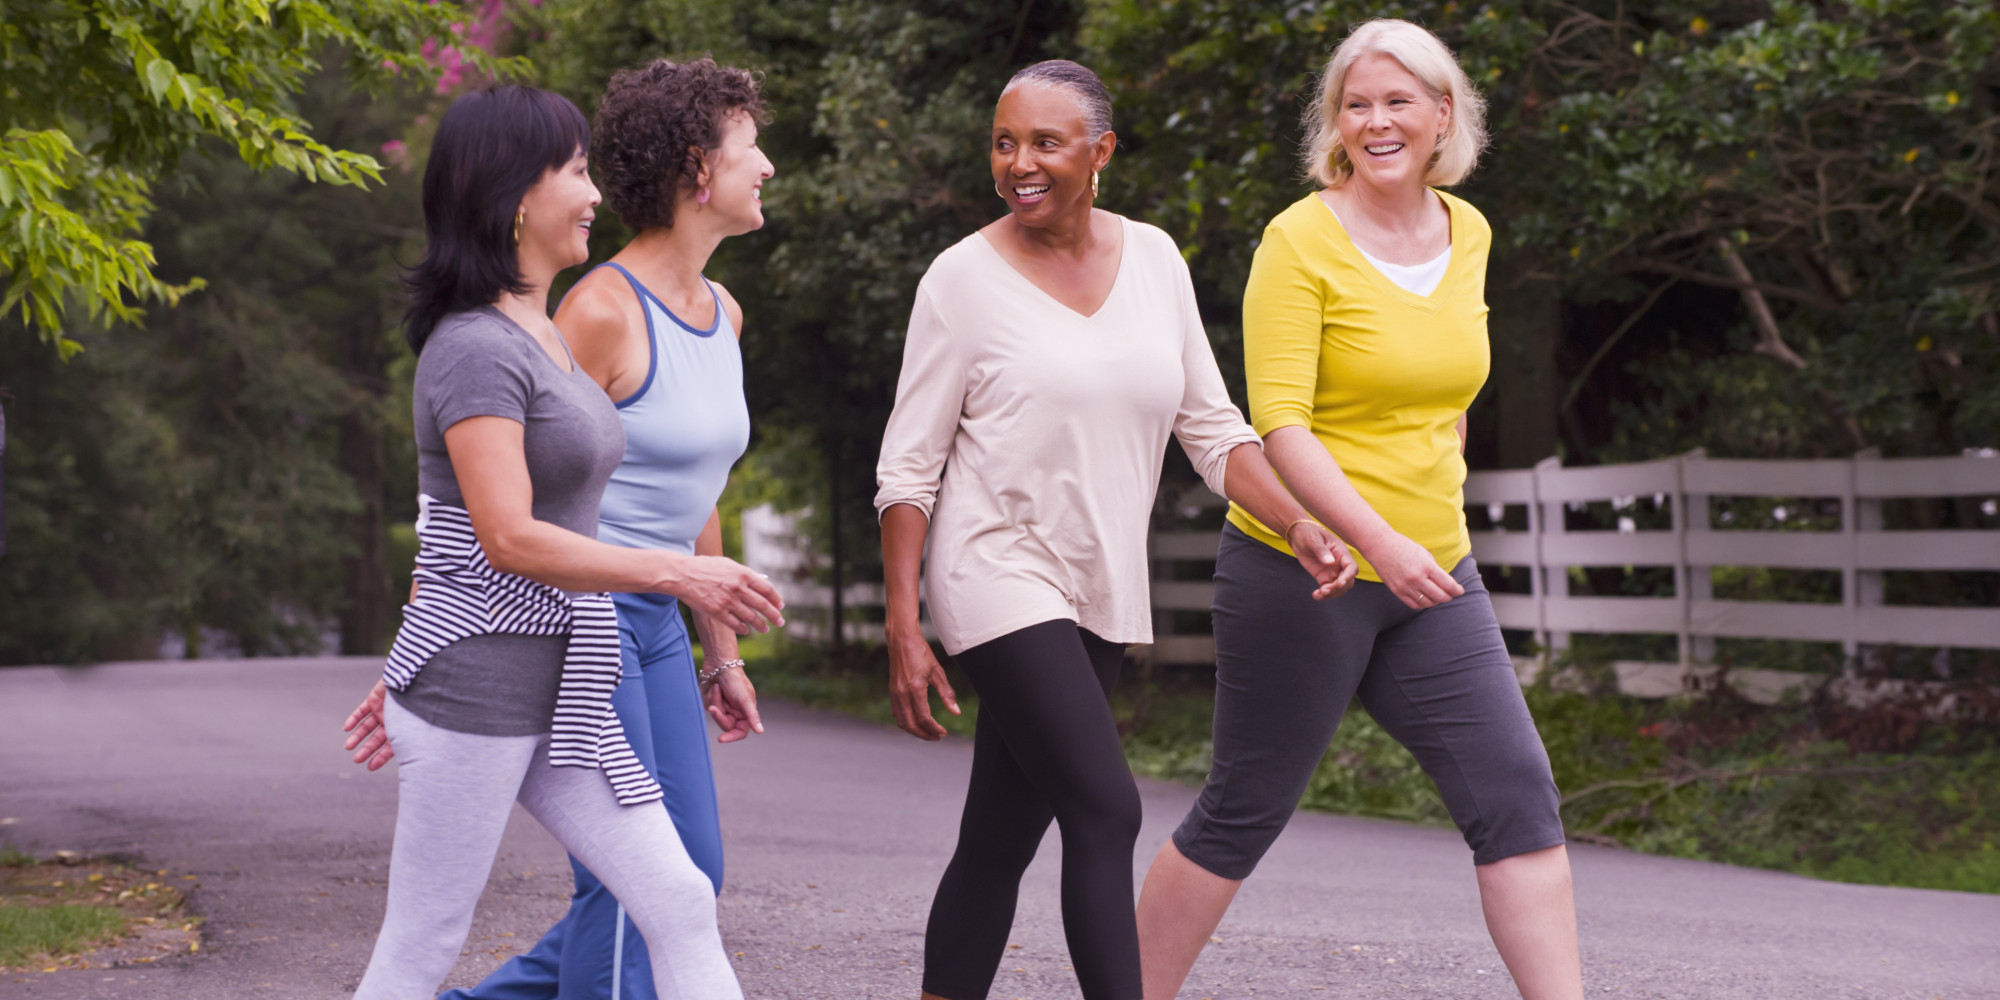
<point x="1861" y="551"/>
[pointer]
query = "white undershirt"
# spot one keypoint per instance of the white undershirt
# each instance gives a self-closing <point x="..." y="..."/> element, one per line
<point x="1417" y="279"/>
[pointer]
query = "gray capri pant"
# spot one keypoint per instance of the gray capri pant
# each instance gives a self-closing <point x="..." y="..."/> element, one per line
<point x="1438" y="680"/>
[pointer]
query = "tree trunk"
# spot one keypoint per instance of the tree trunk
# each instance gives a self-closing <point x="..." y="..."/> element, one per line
<point x="364" y="612"/>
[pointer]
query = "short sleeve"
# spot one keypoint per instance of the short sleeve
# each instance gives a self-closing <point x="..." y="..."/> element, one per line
<point x="1283" y="325"/>
<point x="468" y="372"/>
<point x="930" y="396"/>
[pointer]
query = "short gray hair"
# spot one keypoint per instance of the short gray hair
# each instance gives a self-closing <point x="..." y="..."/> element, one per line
<point x="1076" y="78"/>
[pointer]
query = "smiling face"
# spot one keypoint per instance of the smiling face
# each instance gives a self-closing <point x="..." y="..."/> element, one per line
<point x="1043" y="155"/>
<point x="734" y="173"/>
<point x="556" y="215"/>
<point x="1389" y="123"/>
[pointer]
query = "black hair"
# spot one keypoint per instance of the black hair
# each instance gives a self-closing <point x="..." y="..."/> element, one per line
<point x="1077" y="79"/>
<point x="491" y="147"/>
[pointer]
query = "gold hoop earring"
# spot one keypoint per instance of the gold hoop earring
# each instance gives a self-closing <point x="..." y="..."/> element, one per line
<point x="1093" y="184"/>
<point x="519" y="217"/>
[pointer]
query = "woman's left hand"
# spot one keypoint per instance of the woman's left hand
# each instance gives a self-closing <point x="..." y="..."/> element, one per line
<point x="1325" y="556"/>
<point x="732" y="701"/>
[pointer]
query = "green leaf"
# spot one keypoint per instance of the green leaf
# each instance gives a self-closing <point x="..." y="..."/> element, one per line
<point x="159" y="76"/>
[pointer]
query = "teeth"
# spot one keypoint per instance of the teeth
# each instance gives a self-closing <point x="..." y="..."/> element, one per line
<point x="1384" y="149"/>
<point x="1030" y="192"/>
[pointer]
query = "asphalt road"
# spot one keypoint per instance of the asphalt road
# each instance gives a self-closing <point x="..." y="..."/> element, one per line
<point x="837" y="830"/>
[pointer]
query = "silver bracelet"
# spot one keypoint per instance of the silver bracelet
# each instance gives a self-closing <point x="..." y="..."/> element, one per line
<point x="707" y="677"/>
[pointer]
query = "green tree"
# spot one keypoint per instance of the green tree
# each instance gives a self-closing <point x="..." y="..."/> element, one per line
<point x="226" y="472"/>
<point x="101" y="98"/>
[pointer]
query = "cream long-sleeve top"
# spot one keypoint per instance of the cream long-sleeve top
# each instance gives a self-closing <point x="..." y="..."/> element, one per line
<point x="1032" y="435"/>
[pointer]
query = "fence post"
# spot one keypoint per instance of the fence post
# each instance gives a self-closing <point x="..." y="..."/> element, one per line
<point x="1858" y="587"/>
<point x="1683" y="574"/>
<point x="1548" y="582"/>
<point x="1699" y="583"/>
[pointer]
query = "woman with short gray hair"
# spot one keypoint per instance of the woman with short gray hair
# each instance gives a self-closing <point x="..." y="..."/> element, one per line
<point x="1364" y="339"/>
<point x="1050" y="358"/>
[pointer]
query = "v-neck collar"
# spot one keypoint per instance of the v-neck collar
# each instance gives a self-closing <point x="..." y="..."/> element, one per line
<point x="1117" y="280"/>
<point x="1427" y="303"/>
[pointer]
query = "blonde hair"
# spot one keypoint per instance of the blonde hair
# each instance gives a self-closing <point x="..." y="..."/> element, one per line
<point x="1432" y="64"/>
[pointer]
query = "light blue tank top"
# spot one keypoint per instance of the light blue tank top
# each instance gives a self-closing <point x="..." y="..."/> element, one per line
<point x="684" y="429"/>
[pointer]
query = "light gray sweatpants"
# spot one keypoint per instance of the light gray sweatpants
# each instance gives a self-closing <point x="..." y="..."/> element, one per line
<point x="454" y="791"/>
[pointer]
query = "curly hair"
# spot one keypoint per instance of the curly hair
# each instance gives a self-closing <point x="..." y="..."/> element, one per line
<point x="652" y="125"/>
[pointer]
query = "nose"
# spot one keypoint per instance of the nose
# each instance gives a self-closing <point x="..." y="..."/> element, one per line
<point x="1024" y="161"/>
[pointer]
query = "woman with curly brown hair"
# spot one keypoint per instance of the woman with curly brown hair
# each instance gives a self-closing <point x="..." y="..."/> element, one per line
<point x="675" y="146"/>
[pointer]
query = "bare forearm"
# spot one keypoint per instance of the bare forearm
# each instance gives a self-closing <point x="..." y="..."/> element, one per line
<point x="717" y="642"/>
<point x="1316" y="479"/>
<point x="904" y="528"/>
<point x="1249" y="481"/>
<point x="546" y="553"/>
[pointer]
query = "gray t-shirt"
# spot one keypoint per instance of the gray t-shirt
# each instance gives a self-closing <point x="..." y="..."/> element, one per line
<point x="482" y="364"/>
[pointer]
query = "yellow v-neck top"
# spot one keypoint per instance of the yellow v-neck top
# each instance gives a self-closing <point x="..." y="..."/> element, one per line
<point x="1380" y="374"/>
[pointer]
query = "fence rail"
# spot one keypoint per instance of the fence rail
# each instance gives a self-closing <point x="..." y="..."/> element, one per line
<point x="1861" y="550"/>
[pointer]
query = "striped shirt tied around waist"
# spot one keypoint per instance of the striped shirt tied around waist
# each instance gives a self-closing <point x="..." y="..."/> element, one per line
<point x="460" y="595"/>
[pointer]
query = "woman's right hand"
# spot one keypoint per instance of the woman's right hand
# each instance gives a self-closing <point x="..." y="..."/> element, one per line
<point x="913" y="671"/>
<point x="733" y="594"/>
<point x="1409" y="571"/>
<point x="367" y="732"/>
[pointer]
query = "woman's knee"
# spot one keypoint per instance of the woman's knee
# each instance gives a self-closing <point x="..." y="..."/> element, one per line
<point x="1516" y="809"/>
<point x="1110" y="817"/>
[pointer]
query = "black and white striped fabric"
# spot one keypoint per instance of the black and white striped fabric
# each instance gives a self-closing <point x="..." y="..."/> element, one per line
<point x="460" y="594"/>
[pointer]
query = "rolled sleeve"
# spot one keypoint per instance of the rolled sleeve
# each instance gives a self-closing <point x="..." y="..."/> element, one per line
<point x="930" y="395"/>
<point x="1283" y="324"/>
<point x="1208" y="425"/>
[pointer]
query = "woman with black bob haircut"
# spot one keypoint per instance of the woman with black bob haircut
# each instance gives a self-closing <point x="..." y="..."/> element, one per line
<point x="500" y="679"/>
<point x="674" y="146"/>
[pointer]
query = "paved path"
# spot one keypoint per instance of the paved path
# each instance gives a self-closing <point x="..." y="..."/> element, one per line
<point x="837" y="830"/>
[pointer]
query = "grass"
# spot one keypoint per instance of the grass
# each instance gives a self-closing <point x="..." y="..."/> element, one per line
<point x="35" y="932"/>
<point x="77" y="912"/>
<point x="1883" y="796"/>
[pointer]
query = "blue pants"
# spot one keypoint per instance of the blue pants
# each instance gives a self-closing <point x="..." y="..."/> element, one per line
<point x="659" y="702"/>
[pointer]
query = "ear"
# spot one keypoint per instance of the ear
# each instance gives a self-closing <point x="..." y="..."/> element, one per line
<point x="1106" y="144"/>
<point x="698" y="159"/>
<point x="1444" y="113"/>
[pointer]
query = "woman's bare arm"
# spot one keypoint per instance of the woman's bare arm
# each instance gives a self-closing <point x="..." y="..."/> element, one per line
<point x="488" y="457"/>
<point x="1316" y="479"/>
<point x="1249" y="481"/>
<point x="913" y="668"/>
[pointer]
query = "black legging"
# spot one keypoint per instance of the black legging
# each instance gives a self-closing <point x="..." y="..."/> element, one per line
<point x="1046" y="748"/>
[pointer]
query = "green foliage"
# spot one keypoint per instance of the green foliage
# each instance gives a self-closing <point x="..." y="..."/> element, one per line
<point x="223" y="471"/>
<point x="31" y="931"/>
<point x="103" y="97"/>
<point x="1842" y="152"/>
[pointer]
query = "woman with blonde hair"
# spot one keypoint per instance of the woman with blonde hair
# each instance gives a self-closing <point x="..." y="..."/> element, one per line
<point x="1364" y="329"/>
